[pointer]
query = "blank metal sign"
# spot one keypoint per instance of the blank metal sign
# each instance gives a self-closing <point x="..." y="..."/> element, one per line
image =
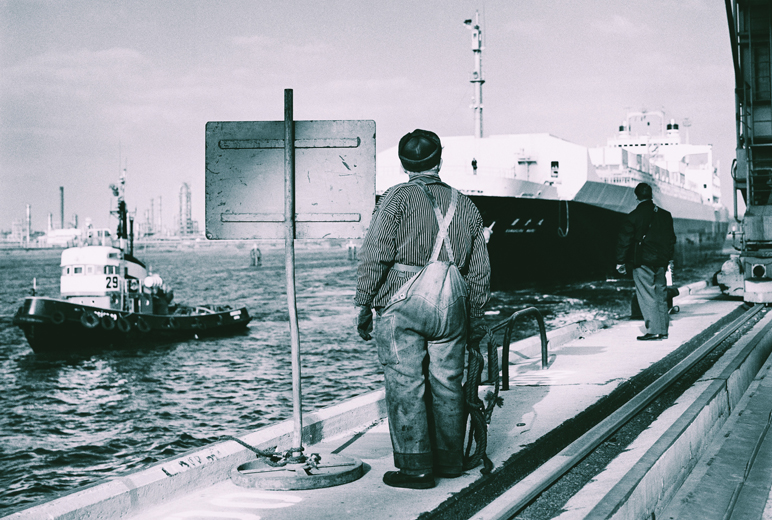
<point x="334" y="179"/>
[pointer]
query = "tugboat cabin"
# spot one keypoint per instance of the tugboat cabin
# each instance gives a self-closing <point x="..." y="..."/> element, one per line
<point x="102" y="276"/>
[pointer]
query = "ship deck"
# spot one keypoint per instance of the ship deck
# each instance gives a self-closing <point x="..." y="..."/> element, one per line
<point x="585" y="365"/>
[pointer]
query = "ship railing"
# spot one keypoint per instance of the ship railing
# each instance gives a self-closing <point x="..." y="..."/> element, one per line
<point x="185" y="310"/>
<point x="507" y="325"/>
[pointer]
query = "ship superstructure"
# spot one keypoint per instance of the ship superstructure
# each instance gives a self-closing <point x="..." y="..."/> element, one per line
<point x="554" y="208"/>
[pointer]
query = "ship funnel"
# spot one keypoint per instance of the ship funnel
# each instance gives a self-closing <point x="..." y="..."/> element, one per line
<point x="672" y="128"/>
<point x="29" y="223"/>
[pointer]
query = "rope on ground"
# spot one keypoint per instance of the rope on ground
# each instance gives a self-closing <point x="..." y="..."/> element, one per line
<point x="276" y="459"/>
<point x="480" y="415"/>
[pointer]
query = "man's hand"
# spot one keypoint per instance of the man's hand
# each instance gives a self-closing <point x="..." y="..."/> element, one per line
<point x="478" y="329"/>
<point x="621" y="268"/>
<point x="365" y="322"/>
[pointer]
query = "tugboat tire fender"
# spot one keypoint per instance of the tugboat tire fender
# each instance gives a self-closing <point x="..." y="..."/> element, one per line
<point x="142" y="325"/>
<point x="57" y="318"/>
<point x="108" y="323"/>
<point x="89" y="320"/>
<point x="123" y="324"/>
<point x="199" y="324"/>
<point x="171" y="323"/>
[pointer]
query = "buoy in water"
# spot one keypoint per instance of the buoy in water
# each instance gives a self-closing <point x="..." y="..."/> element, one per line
<point x="255" y="256"/>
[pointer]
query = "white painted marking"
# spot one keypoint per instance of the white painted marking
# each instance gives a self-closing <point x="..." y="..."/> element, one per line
<point x="540" y="377"/>
<point x="256" y="500"/>
<point x="206" y="515"/>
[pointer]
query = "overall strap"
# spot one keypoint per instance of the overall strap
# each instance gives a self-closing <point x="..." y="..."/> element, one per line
<point x="442" y="222"/>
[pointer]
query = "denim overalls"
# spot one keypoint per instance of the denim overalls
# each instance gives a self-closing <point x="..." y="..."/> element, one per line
<point x="421" y="336"/>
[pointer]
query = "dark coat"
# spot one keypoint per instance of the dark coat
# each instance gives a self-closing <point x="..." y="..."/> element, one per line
<point x="658" y="246"/>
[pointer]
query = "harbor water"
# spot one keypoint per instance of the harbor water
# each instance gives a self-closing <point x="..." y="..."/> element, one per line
<point x="73" y="419"/>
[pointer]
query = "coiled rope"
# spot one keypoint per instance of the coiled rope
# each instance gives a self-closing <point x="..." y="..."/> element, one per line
<point x="276" y="459"/>
<point x="476" y="409"/>
<point x="480" y="415"/>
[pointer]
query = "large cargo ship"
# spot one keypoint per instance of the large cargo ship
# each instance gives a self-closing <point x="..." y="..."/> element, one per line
<point x="555" y="208"/>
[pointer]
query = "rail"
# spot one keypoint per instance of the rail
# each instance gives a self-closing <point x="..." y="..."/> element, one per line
<point x="507" y="326"/>
<point x="514" y="500"/>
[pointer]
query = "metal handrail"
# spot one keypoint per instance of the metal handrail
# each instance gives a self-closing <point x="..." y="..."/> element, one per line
<point x="507" y="326"/>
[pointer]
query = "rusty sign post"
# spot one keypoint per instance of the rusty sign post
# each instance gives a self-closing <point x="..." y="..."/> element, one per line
<point x="328" y="181"/>
<point x="289" y="264"/>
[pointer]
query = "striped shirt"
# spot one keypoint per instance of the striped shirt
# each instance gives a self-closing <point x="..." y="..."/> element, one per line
<point x="403" y="230"/>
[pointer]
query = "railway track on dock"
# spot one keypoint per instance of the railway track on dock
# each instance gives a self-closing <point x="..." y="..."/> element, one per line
<point x="537" y="482"/>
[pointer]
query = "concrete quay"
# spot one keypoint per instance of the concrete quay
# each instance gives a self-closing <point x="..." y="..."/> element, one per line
<point x="587" y="362"/>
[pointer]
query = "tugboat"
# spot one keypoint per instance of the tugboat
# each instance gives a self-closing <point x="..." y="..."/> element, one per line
<point x="109" y="300"/>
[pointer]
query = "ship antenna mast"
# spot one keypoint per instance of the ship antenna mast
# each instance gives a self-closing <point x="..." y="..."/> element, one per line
<point x="121" y="213"/>
<point x="477" y="78"/>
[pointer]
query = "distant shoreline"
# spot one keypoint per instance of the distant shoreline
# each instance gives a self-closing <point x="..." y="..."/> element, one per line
<point x="192" y="245"/>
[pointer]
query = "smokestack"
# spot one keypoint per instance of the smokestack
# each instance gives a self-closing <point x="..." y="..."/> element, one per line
<point x="61" y="205"/>
<point x="50" y="222"/>
<point x="29" y="222"/>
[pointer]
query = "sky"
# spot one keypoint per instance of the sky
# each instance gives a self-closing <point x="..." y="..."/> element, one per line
<point x="89" y="87"/>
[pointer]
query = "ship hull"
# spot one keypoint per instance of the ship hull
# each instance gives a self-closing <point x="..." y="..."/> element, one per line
<point x="538" y="240"/>
<point x="54" y="326"/>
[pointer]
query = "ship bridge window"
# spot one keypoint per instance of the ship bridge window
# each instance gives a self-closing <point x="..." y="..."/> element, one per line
<point x="111" y="269"/>
<point x="77" y="269"/>
<point x="89" y="269"/>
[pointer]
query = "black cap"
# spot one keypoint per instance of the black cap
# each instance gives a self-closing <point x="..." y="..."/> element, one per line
<point x="419" y="151"/>
<point x="643" y="191"/>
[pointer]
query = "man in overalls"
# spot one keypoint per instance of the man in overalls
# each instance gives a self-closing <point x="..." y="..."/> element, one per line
<point x="421" y="337"/>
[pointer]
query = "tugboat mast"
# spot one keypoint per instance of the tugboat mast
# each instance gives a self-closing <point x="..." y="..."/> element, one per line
<point x="477" y="78"/>
<point x="118" y="191"/>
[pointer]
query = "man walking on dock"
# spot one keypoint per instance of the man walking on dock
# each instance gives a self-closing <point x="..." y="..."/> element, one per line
<point x="647" y="241"/>
<point x="424" y="269"/>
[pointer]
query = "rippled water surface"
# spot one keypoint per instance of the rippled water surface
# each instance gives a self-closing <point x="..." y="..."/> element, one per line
<point x="72" y="420"/>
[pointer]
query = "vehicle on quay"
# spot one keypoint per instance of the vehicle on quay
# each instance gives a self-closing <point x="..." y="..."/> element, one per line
<point x="553" y="209"/>
<point x="109" y="299"/>
<point x="748" y="273"/>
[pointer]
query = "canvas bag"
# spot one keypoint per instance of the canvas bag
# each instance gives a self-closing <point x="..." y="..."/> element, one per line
<point x="438" y="282"/>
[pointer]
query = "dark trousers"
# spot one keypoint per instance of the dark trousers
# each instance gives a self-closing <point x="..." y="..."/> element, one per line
<point x="650" y="291"/>
<point x="421" y="347"/>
